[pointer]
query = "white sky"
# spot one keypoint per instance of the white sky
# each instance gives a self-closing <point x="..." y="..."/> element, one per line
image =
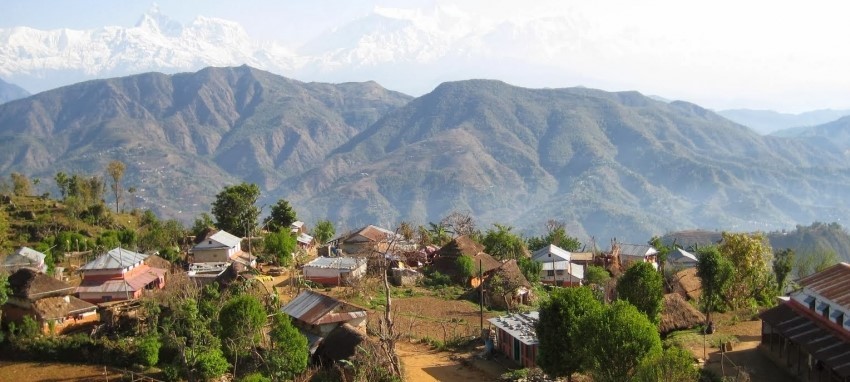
<point x="788" y="56"/>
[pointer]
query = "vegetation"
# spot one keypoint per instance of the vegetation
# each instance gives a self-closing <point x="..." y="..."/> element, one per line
<point x="563" y="349"/>
<point x="115" y="169"/>
<point x="466" y="267"/>
<point x="673" y="364"/>
<point x="750" y="255"/>
<point x="503" y="244"/>
<point x="783" y="263"/>
<point x="281" y="217"/>
<point x="530" y="269"/>
<point x="556" y="234"/>
<point x="235" y="210"/>
<point x="288" y="354"/>
<point x="281" y="245"/>
<point x="643" y="287"/>
<point x="595" y="275"/>
<point x="715" y="272"/>
<point x="241" y="319"/>
<point x="323" y="231"/>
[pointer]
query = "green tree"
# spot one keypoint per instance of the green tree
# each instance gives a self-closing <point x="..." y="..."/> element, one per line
<point x="147" y="351"/>
<point x="815" y="261"/>
<point x="503" y="244"/>
<point x="63" y="183"/>
<point x="556" y="234"/>
<point x="287" y="357"/>
<point x="438" y="234"/>
<point x="750" y="255"/>
<point x="4" y="295"/>
<point x="323" y="231"/>
<point x="235" y="210"/>
<point x="21" y="185"/>
<point x="280" y="245"/>
<point x="530" y="269"/>
<point x="673" y="364"/>
<point x="643" y="287"/>
<point x="663" y="251"/>
<point x="241" y="319"/>
<point x="466" y="267"/>
<point x="4" y="230"/>
<point x="199" y="354"/>
<point x="202" y="223"/>
<point x="596" y="275"/>
<point x="715" y="273"/>
<point x="281" y="217"/>
<point x="616" y="340"/>
<point x="562" y="348"/>
<point x="783" y="263"/>
<point x="115" y="169"/>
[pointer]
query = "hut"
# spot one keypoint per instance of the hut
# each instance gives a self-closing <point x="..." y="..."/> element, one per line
<point x="687" y="284"/>
<point x="506" y="286"/>
<point x="340" y="344"/>
<point x="446" y="261"/>
<point x="678" y="314"/>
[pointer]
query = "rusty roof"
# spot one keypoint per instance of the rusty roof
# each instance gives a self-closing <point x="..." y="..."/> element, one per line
<point x="315" y="308"/>
<point x="60" y="307"/>
<point x="29" y="284"/>
<point x="826" y="344"/>
<point x="832" y="283"/>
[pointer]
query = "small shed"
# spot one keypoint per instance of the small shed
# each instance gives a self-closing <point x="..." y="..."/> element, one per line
<point x="516" y="337"/>
<point x="334" y="270"/>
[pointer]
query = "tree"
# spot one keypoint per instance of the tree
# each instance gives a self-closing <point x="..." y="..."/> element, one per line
<point x="663" y="251"/>
<point x="556" y="234"/>
<point x="643" y="287"/>
<point x="241" y="319"/>
<point x="562" y="348"/>
<point x="616" y="339"/>
<point x="466" y="267"/>
<point x="234" y="208"/>
<point x="280" y="245"/>
<point x="63" y="183"/>
<point x="4" y="230"/>
<point x="287" y="357"/>
<point x="282" y="216"/>
<point x="715" y="273"/>
<point x="4" y="294"/>
<point x="198" y="351"/>
<point x="530" y="269"/>
<point x="596" y="275"/>
<point x="503" y="244"/>
<point x="783" y="263"/>
<point x="201" y="224"/>
<point x="815" y="261"/>
<point x="673" y="364"/>
<point x="750" y="255"/>
<point x="459" y="223"/>
<point x="438" y="234"/>
<point x="323" y="231"/>
<point x="115" y="169"/>
<point x="21" y="185"/>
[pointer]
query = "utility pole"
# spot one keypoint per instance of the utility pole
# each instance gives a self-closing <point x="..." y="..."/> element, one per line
<point x="481" y="293"/>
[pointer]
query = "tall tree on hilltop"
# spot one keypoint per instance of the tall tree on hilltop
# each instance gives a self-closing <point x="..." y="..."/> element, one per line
<point x="21" y="185"/>
<point x="235" y="210"/>
<point x="63" y="183"/>
<point x="562" y="350"/>
<point x="282" y="216"/>
<point x="503" y="244"/>
<point x="115" y="169"/>
<point x="642" y="286"/>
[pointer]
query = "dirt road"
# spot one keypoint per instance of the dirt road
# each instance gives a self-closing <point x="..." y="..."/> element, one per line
<point x="422" y="364"/>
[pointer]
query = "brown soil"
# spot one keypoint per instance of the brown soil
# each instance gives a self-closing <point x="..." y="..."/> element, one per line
<point x="53" y="372"/>
<point x="422" y="364"/>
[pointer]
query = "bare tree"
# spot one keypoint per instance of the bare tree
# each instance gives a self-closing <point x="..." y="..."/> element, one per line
<point x="460" y="223"/>
<point x="116" y="172"/>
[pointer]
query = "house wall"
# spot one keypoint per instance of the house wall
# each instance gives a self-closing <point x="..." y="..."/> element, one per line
<point x="96" y="298"/>
<point x="69" y="323"/>
<point x="333" y="276"/>
<point x="527" y="353"/>
<point x="562" y="278"/>
<point x="212" y="255"/>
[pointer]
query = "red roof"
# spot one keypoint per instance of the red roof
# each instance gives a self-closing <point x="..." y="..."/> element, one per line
<point x="138" y="281"/>
<point x="832" y="283"/>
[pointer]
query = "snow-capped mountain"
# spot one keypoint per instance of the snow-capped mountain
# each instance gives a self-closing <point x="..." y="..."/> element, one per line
<point x="40" y="60"/>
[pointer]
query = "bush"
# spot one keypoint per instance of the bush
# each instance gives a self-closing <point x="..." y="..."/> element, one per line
<point x="436" y="279"/>
<point x="147" y="351"/>
<point x="255" y="377"/>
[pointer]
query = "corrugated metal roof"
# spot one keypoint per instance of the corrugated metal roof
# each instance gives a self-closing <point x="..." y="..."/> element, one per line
<point x="544" y="253"/>
<point x="348" y="263"/>
<point x="117" y="258"/>
<point x="315" y="308"/>
<point x="824" y="344"/>
<point x="682" y="257"/>
<point x="26" y="257"/>
<point x="132" y="284"/>
<point x="226" y="239"/>
<point x="832" y="283"/>
<point x="637" y="250"/>
<point x="519" y="325"/>
<point x="304" y="238"/>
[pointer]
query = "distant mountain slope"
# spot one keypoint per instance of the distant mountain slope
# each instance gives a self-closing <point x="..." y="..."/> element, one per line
<point x="768" y="121"/>
<point x="610" y="164"/>
<point x="832" y="133"/>
<point x="11" y="92"/>
<point x="184" y="136"/>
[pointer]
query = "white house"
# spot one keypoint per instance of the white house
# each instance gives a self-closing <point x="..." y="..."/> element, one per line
<point x="25" y="257"/>
<point x="220" y="247"/>
<point x="558" y="268"/>
<point x="334" y="270"/>
<point x="681" y="259"/>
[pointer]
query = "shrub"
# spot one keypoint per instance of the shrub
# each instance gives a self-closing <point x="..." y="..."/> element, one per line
<point x="147" y="351"/>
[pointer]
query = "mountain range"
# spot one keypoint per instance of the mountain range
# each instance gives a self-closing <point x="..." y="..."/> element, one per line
<point x="771" y="122"/>
<point x="607" y="164"/>
<point x="11" y="92"/>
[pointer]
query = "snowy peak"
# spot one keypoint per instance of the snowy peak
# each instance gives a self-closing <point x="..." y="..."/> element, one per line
<point x="156" y="22"/>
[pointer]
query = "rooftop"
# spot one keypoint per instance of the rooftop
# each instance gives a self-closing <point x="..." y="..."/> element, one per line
<point x="335" y="262"/>
<point x="551" y="251"/>
<point x="832" y="283"/>
<point x="117" y="258"/>
<point x="315" y="308"/>
<point x="31" y="285"/>
<point x="519" y="325"/>
<point x="637" y="250"/>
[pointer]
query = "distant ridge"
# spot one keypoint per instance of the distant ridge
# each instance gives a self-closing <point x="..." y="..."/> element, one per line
<point x="11" y="92"/>
<point x="768" y="121"/>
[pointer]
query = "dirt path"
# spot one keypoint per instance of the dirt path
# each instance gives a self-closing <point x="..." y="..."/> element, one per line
<point x="53" y="372"/>
<point x="422" y="364"/>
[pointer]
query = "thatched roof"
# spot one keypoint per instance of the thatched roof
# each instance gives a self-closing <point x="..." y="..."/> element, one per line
<point x="688" y="284"/>
<point x="51" y="308"/>
<point x="155" y="261"/>
<point x="461" y="245"/>
<point x="678" y="314"/>
<point x="31" y="285"/>
<point x="510" y="273"/>
<point x="341" y="343"/>
<point x="448" y="265"/>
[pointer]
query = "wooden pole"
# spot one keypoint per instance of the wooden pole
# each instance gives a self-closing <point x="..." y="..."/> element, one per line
<point x="481" y="293"/>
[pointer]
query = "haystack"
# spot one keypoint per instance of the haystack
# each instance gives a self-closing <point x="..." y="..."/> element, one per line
<point x="688" y="284"/>
<point x="678" y="314"/>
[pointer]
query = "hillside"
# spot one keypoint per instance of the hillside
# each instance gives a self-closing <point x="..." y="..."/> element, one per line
<point x="771" y="122"/>
<point x="835" y="133"/>
<point x="609" y="164"/>
<point x="184" y="136"/>
<point x="11" y="92"/>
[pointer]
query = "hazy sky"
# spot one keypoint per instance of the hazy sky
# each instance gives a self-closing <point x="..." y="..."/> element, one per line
<point x="784" y="55"/>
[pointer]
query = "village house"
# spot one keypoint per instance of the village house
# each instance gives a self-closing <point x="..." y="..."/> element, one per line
<point x="25" y="257"/>
<point x="318" y="315"/>
<point x="635" y="253"/>
<point x="809" y="333"/>
<point x="299" y="230"/>
<point x="516" y="337"/>
<point x="119" y="274"/>
<point x="507" y="287"/>
<point x="446" y="259"/>
<point x="558" y="267"/>
<point x="371" y="239"/>
<point x="221" y="247"/>
<point x="334" y="270"/>
<point x="679" y="259"/>
<point x="47" y="301"/>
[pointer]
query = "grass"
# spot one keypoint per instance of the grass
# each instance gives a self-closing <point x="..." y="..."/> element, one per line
<point x="694" y="338"/>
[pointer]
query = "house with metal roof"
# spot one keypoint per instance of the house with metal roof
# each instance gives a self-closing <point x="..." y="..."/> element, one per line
<point x="516" y="337"/>
<point x="809" y="333"/>
<point x="47" y="301"/>
<point x="119" y="274"/>
<point x="558" y="267"/>
<point x="634" y="253"/>
<point x="369" y="239"/>
<point x="681" y="259"/>
<point x="219" y="247"/>
<point x="25" y="257"/>
<point x="334" y="270"/>
<point x="318" y="315"/>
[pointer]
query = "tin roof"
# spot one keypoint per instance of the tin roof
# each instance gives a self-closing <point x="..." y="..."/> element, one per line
<point x="117" y="258"/>
<point x="304" y="238"/>
<point x="822" y="342"/>
<point x="832" y="283"/>
<point x="336" y="263"/>
<point x="682" y="257"/>
<point x="138" y="281"/>
<point x="315" y="308"/>
<point x="519" y="325"/>
<point x="226" y="239"/>
<point x="25" y="256"/>
<point x="548" y="252"/>
<point x="637" y="250"/>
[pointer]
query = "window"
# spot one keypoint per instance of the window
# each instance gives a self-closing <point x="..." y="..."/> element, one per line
<point x="560" y="272"/>
<point x="826" y="312"/>
<point x="813" y="303"/>
<point x="839" y="319"/>
<point x="550" y="273"/>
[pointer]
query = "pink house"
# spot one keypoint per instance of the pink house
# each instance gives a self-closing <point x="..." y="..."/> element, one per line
<point x="118" y="275"/>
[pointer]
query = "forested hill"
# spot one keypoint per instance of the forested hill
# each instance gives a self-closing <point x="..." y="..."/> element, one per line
<point x="608" y="164"/>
